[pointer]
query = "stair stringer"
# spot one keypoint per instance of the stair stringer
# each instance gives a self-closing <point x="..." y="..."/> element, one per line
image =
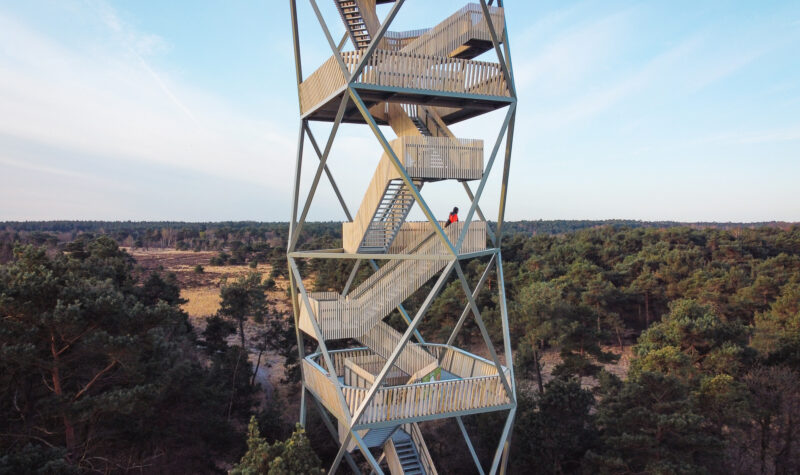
<point x="353" y="231"/>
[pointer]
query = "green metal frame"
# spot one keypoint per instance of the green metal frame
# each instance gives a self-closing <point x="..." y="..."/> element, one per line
<point x="352" y="91"/>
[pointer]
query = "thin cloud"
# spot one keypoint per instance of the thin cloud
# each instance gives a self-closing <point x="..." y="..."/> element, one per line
<point x="115" y="104"/>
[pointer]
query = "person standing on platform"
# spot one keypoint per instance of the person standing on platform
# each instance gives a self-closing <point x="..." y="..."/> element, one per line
<point x="453" y="218"/>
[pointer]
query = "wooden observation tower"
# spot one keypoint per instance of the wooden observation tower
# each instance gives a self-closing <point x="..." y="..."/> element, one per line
<point x="377" y="390"/>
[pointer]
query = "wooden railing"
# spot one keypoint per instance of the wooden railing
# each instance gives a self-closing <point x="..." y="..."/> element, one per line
<point x="424" y="158"/>
<point x="316" y="379"/>
<point x="361" y="371"/>
<point x="413" y="231"/>
<point x="454" y="360"/>
<point x="404" y="70"/>
<point x="440" y="157"/>
<point x="466" y="365"/>
<point x="412" y="400"/>
<point x="421" y="373"/>
<point x="340" y="356"/>
<point x="428" y="399"/>
<point x="379" y="294"/>
<point x="324" y="82"/>
<point x="434" y="73"/>
<point x="397" y="40"/>
<point x="383" y="339"/>
<point x="465" y="25"/>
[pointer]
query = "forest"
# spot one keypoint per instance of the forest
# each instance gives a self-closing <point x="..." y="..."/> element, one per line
<point x="101" y="371"/>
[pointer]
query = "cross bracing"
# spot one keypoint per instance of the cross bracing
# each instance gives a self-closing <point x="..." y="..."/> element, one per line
<point x="374" y="394"/>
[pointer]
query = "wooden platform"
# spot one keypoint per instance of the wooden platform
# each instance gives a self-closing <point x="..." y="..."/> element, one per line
<point x="452" y="108"/>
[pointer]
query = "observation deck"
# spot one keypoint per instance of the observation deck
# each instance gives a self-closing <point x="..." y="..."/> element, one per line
<point x="431" y="69"/>
<point x="383" y="385"/>
<point x="466" y="384"/>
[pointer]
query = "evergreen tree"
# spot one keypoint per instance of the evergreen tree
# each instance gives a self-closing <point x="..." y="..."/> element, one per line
<point x="94" y="373"/>
<point x="648" y="424"/>
<point x="553" y="429"/>
<point x="291" y="456"/>
<point x="243" y="298"/>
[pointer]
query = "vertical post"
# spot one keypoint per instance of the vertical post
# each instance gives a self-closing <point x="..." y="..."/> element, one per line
<point x="339" y="115"/>
<point x="299" y="336"/>
<point x="504" y="190"/>
<point x="479" y="192"/>
<point x="296" y="43"/>
<point x="298" y="165"/>
<point x="401" y="169"/>
<point x="503" y="441"/>
<point x="501" y="289"/>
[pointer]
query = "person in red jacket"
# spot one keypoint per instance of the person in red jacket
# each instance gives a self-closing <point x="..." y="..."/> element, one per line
<point x="453" y="218"/>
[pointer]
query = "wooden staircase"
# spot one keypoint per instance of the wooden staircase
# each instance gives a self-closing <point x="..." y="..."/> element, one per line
<point x="354" y="21"/>
<point x="407" y="455"/>
<point x="366" y="305"/>
<point x="390" y="214"/>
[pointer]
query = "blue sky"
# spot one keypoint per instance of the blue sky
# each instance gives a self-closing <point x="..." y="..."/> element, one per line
<point x="187" y="110"/>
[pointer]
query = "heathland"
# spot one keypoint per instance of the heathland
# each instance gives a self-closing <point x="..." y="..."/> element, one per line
<point x="639" y="347"/>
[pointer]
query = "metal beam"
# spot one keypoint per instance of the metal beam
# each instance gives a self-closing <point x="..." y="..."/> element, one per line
<point x="401" y="169"/>
<point x="484" y="333"/>
<point x="342" y="41"/>
<point x="485" y="177"/>
<point x="507" y="47"/>
<point x="373" y="45"/>
<point x="335" y="434"/>
<point x="501" y="290"/>
<point x="328" y="173"/>
<point x="350" y="278"/>
<point x="298" y="165"/>
<point x="366" y="453"/>
<point x="480" y="212"/>
<point x="296" y="44"/>
<point x="299" y="336"/>
<point x="402" y="343"/>
<point x="318" y="174"/>
<point x="504" y="184"/>
<point x="472" y="255"/>
<point x="466" y="96"/>
<point x="478" y="288"/>
<point x="336" y="53"/>
<point x="469" y="446"/>
<point x="503" y="441"/>
<point x="496" y="44"/>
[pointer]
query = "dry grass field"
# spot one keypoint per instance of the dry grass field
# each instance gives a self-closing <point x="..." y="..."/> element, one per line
<point x="202" y="302"/>
<point x="202" y="292"/>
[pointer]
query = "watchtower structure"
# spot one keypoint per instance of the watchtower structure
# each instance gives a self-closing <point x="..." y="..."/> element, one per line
<point x="375" y="391"/>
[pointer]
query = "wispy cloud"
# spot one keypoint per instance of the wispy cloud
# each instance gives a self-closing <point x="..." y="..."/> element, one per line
<point x="567" y="59"/>
<point x="625" y="85"/>
<point x="108" y="100"/>
<point x="766" y="136"/>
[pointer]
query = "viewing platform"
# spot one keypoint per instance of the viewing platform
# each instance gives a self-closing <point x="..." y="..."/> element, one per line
<point x="353" y="315"/>
<point x="431" y="67"/>
<point x="387" y="201"/>
<point x="466" y="384"/>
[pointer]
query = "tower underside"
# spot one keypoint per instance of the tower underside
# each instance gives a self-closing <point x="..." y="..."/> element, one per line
<point x="381" y="383"/>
